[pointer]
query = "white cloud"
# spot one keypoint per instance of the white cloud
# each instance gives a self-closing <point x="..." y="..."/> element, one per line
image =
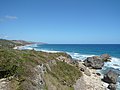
<point x="11" y="17"/>
<point x="3" y="36"/>
<point x="7" y="17"/>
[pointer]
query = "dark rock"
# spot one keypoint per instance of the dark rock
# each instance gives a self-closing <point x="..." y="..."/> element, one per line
<point x="94" y="62"/>
<point x="41" y="82"/>
<point x="81" y="69"/>
<point x="110" y="77"/>
<point x="3" y="74"/>
<point x="112" y="86"/>
<point x="105" y="57"/>
<point x="98" y="74"/>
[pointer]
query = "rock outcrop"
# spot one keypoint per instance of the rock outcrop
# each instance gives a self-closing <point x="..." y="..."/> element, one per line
<point x="84" y="69"/>
<point x="110" y="77"/>
<point x="105" y="57"/>
<point x="97" y="62"/>
<point x="81" y="66"/>
<point x="94" y="62"/>
<point x="112" y="86"/>
<point x="67" y="59"/>
<point x="92" y="82"/>
<point x="4" y="84"/>
<point x="38" y="77"/>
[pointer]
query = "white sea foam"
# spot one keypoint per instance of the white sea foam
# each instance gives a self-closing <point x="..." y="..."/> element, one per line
<point x="80" y="56"/>
<point x="23" y="47"/>
<point x="115" y="63"/>
<point x="49" y="51"/>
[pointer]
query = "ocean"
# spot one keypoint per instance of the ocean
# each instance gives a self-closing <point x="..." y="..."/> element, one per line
<point x="82" y="51"/>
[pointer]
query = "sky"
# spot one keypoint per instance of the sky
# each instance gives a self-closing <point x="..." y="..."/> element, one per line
<point x="61" y="21"/>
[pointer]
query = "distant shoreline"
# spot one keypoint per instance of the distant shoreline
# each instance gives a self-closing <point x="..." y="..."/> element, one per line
<point x="19" y="47"/>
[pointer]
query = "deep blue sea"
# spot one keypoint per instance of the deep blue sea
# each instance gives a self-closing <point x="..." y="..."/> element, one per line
<point x="82" y="51"/>
<point x="91" y="49"/>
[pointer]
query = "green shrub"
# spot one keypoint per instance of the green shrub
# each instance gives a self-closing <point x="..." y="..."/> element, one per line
<point x="65" y="73"/>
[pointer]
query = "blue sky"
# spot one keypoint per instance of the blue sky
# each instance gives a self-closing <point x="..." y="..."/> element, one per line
<point x="61" y="21"/>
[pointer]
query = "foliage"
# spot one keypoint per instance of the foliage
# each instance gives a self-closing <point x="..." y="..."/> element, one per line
<point x="65" y="73"/>
<point x="21" y="63"/>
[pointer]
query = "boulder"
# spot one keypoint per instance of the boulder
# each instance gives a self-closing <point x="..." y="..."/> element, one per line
<point x="110" y="77"/>
<point x="94" y="62"/>
<point x="105" y="57"/>
<point x="112" y="86"/>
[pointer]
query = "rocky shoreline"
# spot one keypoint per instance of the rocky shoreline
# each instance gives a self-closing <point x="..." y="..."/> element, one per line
<point x="36" y="70"/>
<point x="89" y="81"/>
<point x="93" y="80"/>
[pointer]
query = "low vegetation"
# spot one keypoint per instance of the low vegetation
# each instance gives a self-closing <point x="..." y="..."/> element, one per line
<point x="20" y="64"/>
<point x="7" y="44"/>
<point x="65" y="73"/>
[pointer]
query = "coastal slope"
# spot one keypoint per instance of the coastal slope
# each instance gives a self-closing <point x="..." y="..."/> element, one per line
<point x="37" y="70"/>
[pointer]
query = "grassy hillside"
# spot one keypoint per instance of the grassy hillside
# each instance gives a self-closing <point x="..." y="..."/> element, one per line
<point x="7" y="43"/>
<point x="12" y="43"/>
<point x="21" y="65"/>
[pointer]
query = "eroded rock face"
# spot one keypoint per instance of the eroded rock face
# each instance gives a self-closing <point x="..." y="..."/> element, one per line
<point x="110" y="77"/>
<point x="94" y="62"/>
<point x="4" y="84"/>
<point x="38" y="79"/>
<point x="75" y="62"/>
<point x="86" y="82"/>
<point x="84" y="69"/>
<point x="64" y="59"/>
<point x="112" y="86"/>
